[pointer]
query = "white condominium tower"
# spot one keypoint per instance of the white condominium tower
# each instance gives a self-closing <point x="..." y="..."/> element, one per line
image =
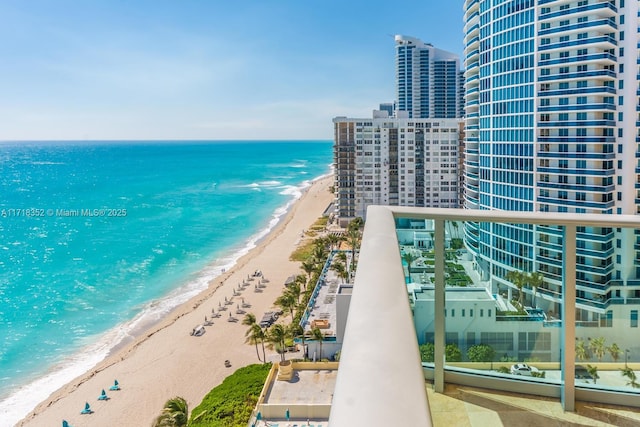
<point x="428" y="80"/>
<point x="394" y="161"/>
<point x="552" y="119"/>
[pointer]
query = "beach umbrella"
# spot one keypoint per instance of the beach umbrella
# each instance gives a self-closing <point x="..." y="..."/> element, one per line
<point x="287" y="415"/>
<point x="259" y="416"/>
<point x="103" y="395"/>
<point x="115" y="386"/>
<point x="65" y="423"/>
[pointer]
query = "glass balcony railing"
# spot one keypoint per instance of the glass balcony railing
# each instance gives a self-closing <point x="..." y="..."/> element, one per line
<point x="428" y="305"/>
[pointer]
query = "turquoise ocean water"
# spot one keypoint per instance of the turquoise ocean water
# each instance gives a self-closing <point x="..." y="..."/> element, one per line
<point x="98" y="240"/>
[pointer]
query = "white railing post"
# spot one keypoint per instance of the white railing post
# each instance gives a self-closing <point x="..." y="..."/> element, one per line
<point x="568" y="348"/>
<point x="439" y="307"/>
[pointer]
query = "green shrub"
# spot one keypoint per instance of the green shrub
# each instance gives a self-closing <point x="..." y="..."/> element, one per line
<point x="426" y="352"/>
<point x="302" y="252"/>
<point x="230" y="404"/>
<point x="481" y="353"/>
<point x="452" y="353"/>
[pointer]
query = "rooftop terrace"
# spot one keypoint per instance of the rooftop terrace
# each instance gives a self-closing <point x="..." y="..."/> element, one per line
<point x="303" y="400"/>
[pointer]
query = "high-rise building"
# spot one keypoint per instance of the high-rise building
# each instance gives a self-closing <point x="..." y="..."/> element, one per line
<point x="395" y="161"/>
<point x="427" y="80"/>
<point x="408" y="153"/>
<point x="551" y="126"/>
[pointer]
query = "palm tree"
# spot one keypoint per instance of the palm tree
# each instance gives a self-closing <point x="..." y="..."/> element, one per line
<point x="316" y="334"/>
<point x="276" y="338"/>
<point x="408" y="257"/>
<point x="340" y="269"/>
<point x="628" y="372"/>
<point x="319" y="254"/>
<point x="519" y="279"/>
<point x="260" y="333"/>
<point x="174" y="414"/>
<point x="294" y="290"/>
<point x="535" y="280"/>
<point x="355" y="224"/>
<point x="614" y="351"/>
<point x="582" y="352"/>
<point x="297" y="331"/>
<point x="334" y="241"/>
<point x="593" y="371"/>
<point x="353" y="238"/>
<point x="598" y="348"/>
<point x="252" y="335"/>
<point x="342" y="257"/>
<point x="287" y="302"/>
<point x="308" y="267"/>
<point x="455" y="226"/>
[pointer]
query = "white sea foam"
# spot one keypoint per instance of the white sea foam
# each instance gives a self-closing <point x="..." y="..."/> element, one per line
<point x="21" y="401"/>
<point x="262" y="184"/>
<point x="45" y="163"/>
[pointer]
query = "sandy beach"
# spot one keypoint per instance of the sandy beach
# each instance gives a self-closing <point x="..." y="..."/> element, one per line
<point x="167" y="361"/>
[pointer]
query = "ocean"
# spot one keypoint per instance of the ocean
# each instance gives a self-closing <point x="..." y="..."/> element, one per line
<point x="99" y="240"/>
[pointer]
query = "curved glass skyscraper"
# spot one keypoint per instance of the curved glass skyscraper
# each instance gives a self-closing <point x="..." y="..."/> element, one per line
<point x="551" y="126"/>
<point x="427" y="80"/>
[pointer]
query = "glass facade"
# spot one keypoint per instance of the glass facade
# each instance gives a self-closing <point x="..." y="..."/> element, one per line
<point x="551" y="126"/>
<point x="428" y="80"/>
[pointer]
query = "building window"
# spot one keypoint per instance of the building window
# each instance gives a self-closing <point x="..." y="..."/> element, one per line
<point x="634" y="318"/>
<point x="606" y="320"/>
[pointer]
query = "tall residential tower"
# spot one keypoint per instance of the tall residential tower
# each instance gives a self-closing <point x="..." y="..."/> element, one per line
<point x="551" y="126"/>
<point x="427" y="80"/>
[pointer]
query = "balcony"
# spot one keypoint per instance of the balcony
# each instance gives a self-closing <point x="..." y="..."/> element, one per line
<point x="381" y="374"/>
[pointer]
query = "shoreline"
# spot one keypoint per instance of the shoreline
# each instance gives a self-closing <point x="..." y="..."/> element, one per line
<point x="25" y="398"/>
<point x="127" y="360"/>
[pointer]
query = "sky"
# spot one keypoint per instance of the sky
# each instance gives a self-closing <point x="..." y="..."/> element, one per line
<point x="203" y="69"/>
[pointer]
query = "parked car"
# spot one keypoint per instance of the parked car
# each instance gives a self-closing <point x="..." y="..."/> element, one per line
<point x="522" y="369"/>
<point x="581" y="373"/>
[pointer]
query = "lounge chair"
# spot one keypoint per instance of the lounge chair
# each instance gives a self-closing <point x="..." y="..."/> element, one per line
<point x="115" y="386"/>
<point x="87" y="409"/>
<point x="103" y="395"/>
